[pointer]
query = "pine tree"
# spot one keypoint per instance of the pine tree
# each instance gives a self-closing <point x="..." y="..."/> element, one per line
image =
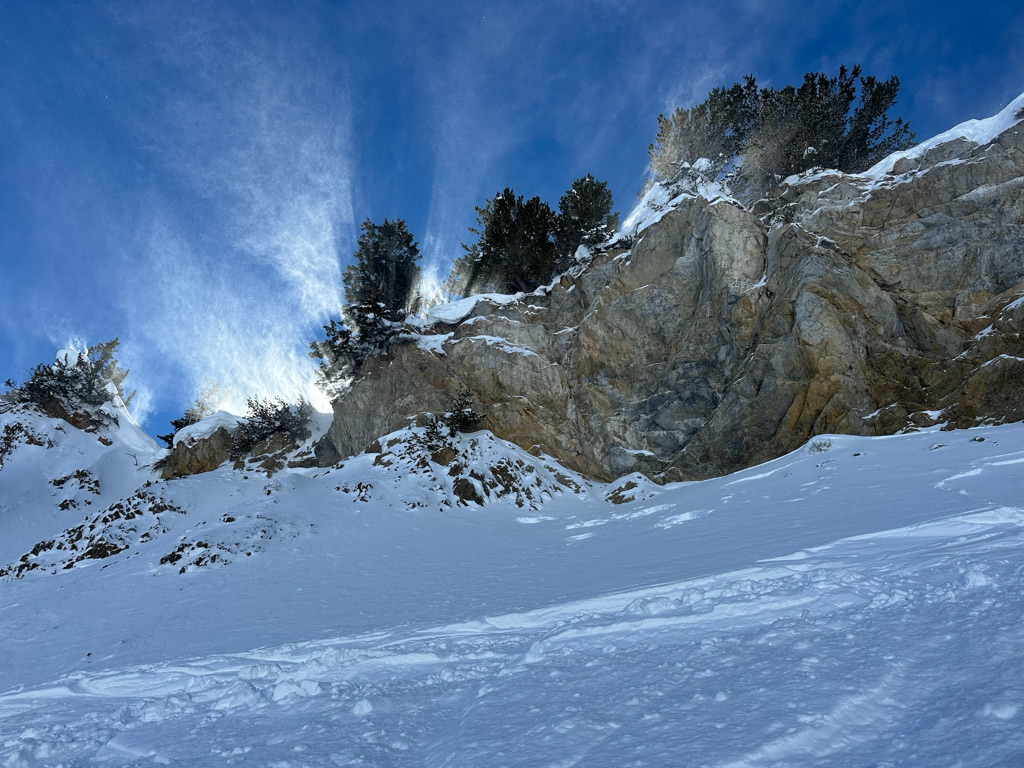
<point x="713" y="130"/>
<point x="204" y="404"/>
<point x="385" y="271"/>
<point x="379" y="290"/>
<point x="836" y="122"/>
<point x="379" y="285"/>
<point x="514" y="250"/>
<point x="584" y="216"/>
<point x="872" y="135"/>
<point x="265" y="417"/>
<point x="338" y="355"/>
<point x="81" y="383"/>
<point x="801" y="128"/>
<point x="104" y="365"/>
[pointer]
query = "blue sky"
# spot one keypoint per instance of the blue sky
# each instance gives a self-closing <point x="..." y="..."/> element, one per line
<point x="190" y="177"/>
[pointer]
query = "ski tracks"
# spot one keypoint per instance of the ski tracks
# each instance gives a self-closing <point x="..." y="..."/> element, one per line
<point x="828" y="657"/>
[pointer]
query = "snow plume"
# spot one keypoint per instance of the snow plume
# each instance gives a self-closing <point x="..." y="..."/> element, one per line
<point x="229" y="324"/>
<point x="430" y="290"/>
<point x="256" y="137"/>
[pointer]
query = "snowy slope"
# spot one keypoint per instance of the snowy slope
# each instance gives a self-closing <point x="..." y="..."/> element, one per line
<point x="979" y="132"/>
<point x="856" y="602"/>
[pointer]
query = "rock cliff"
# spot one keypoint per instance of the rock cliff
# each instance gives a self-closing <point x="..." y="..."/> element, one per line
<point x="726" y="336"/>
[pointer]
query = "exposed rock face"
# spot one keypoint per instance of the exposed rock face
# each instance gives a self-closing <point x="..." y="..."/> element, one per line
<point x="727" y="336"/>
<point x="83" y="419"/>
<point x="191" y="457"/>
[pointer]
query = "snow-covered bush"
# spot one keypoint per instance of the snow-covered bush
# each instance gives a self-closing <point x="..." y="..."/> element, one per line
<point x="265" y="417"/>
<point x="75" y="383"/>
<point x="820" y="446"/>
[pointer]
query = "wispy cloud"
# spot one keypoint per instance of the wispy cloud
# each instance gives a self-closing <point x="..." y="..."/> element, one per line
<point x="470" y="130"/>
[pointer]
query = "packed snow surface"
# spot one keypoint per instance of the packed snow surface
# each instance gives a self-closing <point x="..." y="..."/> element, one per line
<point x="857" y="602"/>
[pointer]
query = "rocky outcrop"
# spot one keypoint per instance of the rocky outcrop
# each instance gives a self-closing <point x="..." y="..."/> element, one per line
<point x="192" y="457"/>
<point x="468" y="470"/>
<point x="728" y="336"/>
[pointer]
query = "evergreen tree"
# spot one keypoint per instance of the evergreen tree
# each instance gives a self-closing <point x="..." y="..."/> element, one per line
<point x="815" y="126"/>
<point x="584" y="216"/>
<point x="379" y="290"/>
<point x="872" y="135"/>
<point x="713" y="130"/>
<point x="102" y="363"/>
<point x="780" y="132"/>
<point x="265" y="417"/>
<point x="514" y="250"/>
<point x="379" y="285"/>
<point x="338" y="355"/>
<point x="76" y="383"/>
<point x="773" y="147"/>
<point x="385" y="271"/>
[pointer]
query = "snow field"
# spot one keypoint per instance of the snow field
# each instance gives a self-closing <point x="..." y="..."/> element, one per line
<point x="850" y="604"/>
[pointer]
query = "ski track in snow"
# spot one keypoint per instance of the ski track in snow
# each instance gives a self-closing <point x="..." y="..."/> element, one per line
<point x="861" y="644"/>
<point x="779" y="640"/>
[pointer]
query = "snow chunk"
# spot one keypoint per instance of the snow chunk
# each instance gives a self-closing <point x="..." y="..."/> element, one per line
<point x="362" y="707"/>
<point x="457" y="311"/>
<point x="1004" y="710"/>
<point x="433" y="343"/>
<point x="299" y="688"/>
<point x="1014" y="304"/>
<point x="203" y="429"/>
<point x="654" y="205"/>
<point x="503" y="345"/>
<point x="662" y="198"/>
